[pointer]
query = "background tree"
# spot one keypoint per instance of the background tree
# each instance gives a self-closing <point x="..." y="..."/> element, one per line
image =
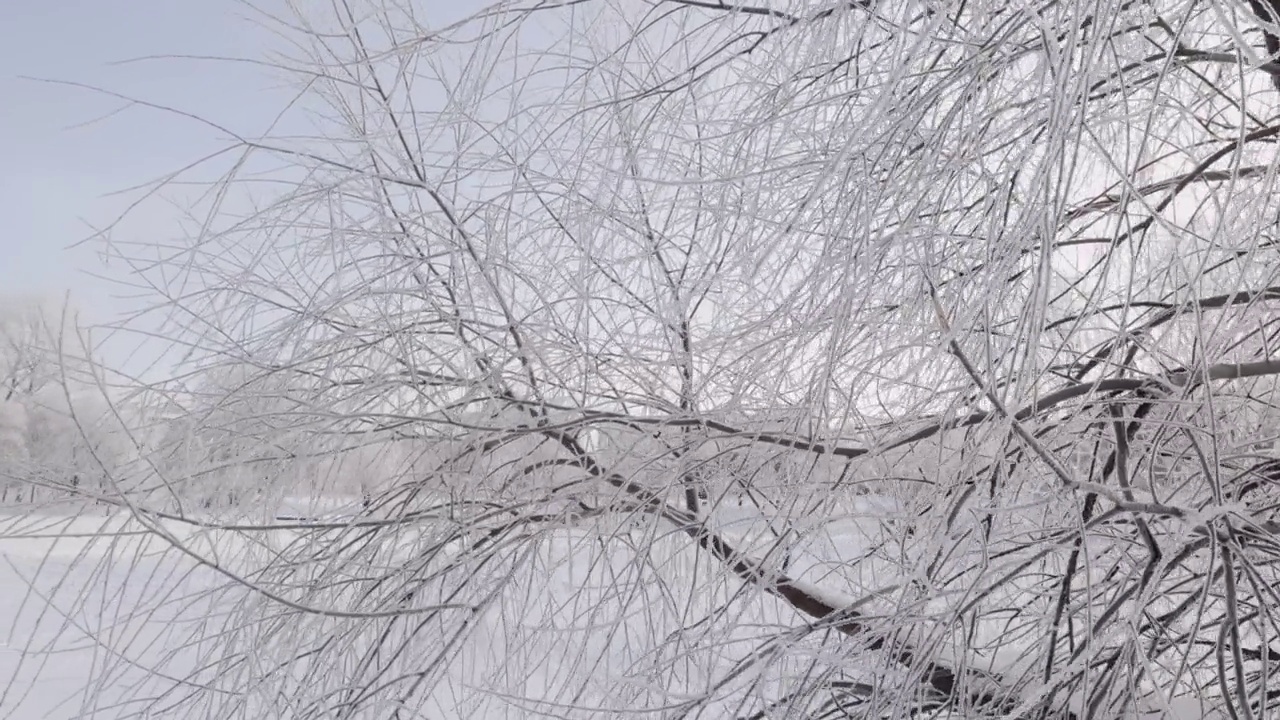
<point x="57" y="428"/>
<point x="810" y="359"/>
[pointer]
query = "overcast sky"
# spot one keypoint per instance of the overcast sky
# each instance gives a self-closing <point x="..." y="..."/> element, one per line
<point x="65" y="151"/>
<point x="57" y="172"/>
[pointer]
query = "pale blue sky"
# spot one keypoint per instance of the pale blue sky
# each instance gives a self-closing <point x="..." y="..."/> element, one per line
<point x="65" y="150"/>
<point x="57" y="172"/>
<point x="63" y="153"/>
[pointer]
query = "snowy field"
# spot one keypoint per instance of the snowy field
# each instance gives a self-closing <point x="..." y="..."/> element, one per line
<point x="102" y="619"/>
<point x="99" y="617"/>
<point x="68" y="581"/>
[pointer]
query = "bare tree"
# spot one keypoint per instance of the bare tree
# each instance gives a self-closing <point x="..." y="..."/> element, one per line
<point x="28" y="338"/>
<point x="811" y="359"/>
<point x="51" y="413"/>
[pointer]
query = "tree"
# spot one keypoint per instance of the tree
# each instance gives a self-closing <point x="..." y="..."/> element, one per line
<point x="56" y="426"/>
<point x="29" y="361"/>
<point x="811" y="359"/>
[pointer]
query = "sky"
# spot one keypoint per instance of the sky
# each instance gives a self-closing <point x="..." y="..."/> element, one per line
<point x="67" y="152"/>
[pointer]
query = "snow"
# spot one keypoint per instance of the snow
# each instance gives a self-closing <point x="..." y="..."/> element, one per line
<point x="98" y="610"/>
<point x="100" y="618"/>
<point x="145" y="607"/>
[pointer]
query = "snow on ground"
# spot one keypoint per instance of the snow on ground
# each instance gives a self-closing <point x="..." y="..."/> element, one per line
<point x="99" y="609"/>
<point x="67" y="581"/>
<point x="96" y="610"/>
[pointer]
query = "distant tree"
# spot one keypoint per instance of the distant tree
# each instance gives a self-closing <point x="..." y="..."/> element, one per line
<point x="57" y="428"/>
<point x="801" y="359"/>
<point x="28" y="355"/>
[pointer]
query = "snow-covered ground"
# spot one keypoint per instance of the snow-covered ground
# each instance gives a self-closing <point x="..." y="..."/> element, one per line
<point x="97" y="610"/>
<point x="93" y="612"/>
<point x="101" y="617"/>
